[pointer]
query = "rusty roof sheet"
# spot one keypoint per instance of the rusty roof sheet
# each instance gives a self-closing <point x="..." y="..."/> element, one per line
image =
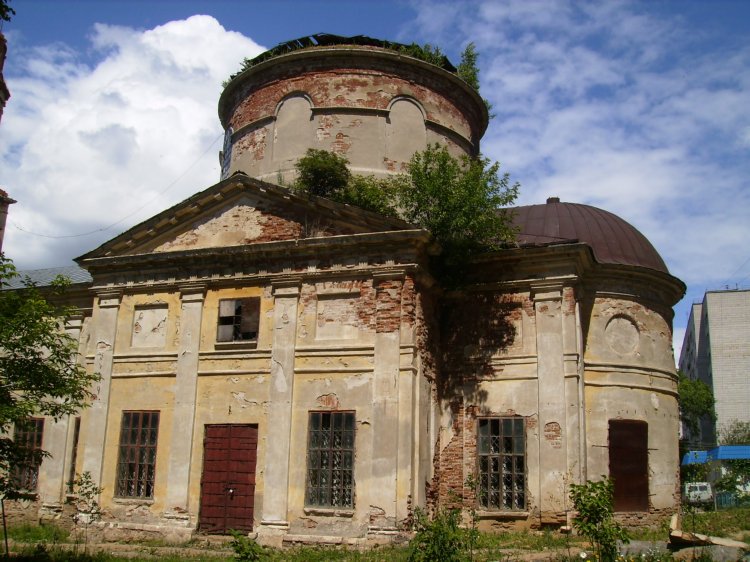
<point x="612" y="239"/>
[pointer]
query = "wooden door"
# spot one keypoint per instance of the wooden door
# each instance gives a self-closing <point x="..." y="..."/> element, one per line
<point x="628" y="464"/>
<point x="228" y="482"/>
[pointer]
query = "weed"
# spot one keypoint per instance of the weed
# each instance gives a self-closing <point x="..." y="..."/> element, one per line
<point x="38" y="534"/>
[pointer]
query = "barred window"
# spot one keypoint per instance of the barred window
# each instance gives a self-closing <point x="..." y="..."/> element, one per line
<point x="28" y="436"/>
<point x="238" y="319"/>
<point x="330" y="460"/>
<point x="501" y="448"/>
<point x="136" y="466"/>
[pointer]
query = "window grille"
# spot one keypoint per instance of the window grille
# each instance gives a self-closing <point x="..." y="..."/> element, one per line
<point x="501" y="451"/>
<point x="136" y="466"/>
<point x="330" y="460"/>
<point x="238" y="320"/>
<point x="28" y="435"/>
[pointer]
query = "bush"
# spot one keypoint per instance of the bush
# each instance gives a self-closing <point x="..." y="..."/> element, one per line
<point x="322" y="173"/>
<point x="594" y="502"/>
<point x="437" y="540"/>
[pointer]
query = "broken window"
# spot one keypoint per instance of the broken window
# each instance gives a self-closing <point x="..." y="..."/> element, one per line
<point x="28" y="436"/>
<point x="330" y="460"/>
<point x="501" y="451"/>
<point x="628" y="464"/>
<point x="238" y="319"/>
<point x="136" y="466"/>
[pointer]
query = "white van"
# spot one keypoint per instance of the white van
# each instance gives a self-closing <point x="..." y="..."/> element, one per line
<point x="698" y="493"/>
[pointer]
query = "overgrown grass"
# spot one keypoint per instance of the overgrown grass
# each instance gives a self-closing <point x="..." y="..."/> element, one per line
<point x="724" y="523"/>
<point x="37" y="534"/>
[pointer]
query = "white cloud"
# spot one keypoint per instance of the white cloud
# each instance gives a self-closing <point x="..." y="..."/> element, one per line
<point x="86" y="146"/>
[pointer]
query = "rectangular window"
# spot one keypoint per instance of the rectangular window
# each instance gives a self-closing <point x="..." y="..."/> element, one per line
<point x="238" y="319"/>
<point x="28" y="435"/>
<point x="501" y="451"/>
<point x="136" y="466"/>
<point x="330" y="460"/>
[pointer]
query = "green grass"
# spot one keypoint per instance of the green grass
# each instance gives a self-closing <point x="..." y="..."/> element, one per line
<point x="44" y="544"/>
<point x="37" y="534"/>
<point x="724" y="523"/>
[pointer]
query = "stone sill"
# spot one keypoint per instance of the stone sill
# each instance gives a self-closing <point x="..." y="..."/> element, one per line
<point x="502" y="514"/>
<point x="241" y="344"/>
<point x="133" y="501"/>
<point x="328" y="512"/>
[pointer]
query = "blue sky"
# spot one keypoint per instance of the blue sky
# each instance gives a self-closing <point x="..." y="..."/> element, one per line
<point x="641" y="108"/>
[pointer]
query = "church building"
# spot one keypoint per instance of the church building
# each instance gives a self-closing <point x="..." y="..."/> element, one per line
<point x="286" y="365"/>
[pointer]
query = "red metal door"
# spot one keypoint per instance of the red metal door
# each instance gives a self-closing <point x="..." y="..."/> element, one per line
<point x="228" y="482"/>
<point x="628" y="464"/>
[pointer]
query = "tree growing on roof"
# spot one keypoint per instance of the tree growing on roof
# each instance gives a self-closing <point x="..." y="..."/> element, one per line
<point x="39" y="372"/>
<point x="462" y="201"/>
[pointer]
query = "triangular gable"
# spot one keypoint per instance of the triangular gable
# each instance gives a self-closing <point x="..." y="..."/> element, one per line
<point x="241" y="210"/>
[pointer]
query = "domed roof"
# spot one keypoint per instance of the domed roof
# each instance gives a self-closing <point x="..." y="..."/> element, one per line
<point x="612" y="239"/>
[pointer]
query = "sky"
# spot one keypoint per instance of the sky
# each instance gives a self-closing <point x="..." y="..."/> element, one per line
<point x="640" y="108"/>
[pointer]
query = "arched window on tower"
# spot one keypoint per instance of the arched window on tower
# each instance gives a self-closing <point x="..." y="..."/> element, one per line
<point x="293" y="131"/>
<point x="405" y="131"/>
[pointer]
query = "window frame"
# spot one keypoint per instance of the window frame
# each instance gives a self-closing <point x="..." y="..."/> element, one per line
<point x="326" y="486"/>
<point x="30" y="435"/>
<point x="236" y="321"/>
<point x="491" y="463"/>
<point x="139" y="482"/>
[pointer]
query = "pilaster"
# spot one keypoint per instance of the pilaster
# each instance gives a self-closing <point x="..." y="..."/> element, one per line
<point x="552" y="410"/>
<point x="105" y="330"/>
<point x="388" y="435"/>
<point x="275" y="503"/>
<point x="186" y="384"/>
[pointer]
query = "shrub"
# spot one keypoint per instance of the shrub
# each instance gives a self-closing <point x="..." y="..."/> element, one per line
<point x="594" y="502"/>
<point x="437" y="540"/>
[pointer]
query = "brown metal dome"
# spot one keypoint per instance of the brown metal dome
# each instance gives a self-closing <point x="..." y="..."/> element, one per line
<point x="612" y="239"/>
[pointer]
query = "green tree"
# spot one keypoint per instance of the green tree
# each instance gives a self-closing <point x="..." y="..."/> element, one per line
<point x="322" y="173"/>
<point x="39" y="374"/>
<point x="6" y="11"/>
<point x="696" y="402"/>
<point x="467" y="69"/>
<point x="737" y="475"/>
<point x="461" y="201"/>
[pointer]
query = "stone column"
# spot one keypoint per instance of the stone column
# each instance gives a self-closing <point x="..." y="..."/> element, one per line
<point x="551" y="396"/>
<point x="286" y="298"/>
<point x="53" y="472"/>
<point x="185" y="388"/>
<point x="105" y="330"/>
<point x="387" y="438"/>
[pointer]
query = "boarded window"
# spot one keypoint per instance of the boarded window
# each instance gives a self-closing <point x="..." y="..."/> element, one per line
<point x="330" y="460"/>
<point x="238" y="320"/>
<point x="628" y="464"/>
<point x="136" y="466"/>
<point x="501" y="451"/>
<point x="28" y="437"/>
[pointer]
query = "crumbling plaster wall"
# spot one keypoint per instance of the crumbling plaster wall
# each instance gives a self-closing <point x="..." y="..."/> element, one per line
<point x="376" y="116"/>
<point x="630" y="375"/>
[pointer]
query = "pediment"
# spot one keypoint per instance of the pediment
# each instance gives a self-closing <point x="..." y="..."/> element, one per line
<point x="240" y="211"/>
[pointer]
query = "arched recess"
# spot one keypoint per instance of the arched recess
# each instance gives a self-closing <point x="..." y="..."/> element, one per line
<point x="405" y="131"/>
<point x="293" y="130"/>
